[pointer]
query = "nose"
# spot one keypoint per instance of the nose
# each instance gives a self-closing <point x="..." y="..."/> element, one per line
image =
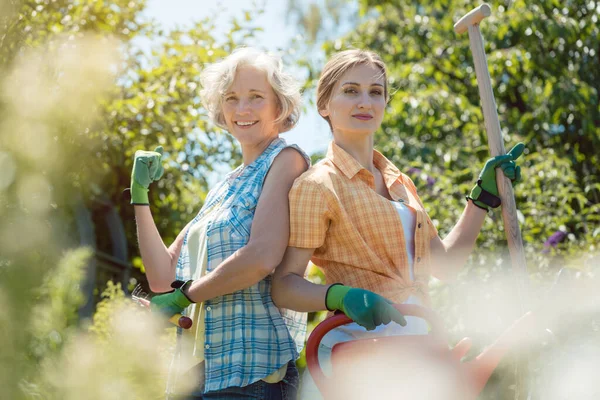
<point x="364" y="102"/>
<point x="243" y="106"/>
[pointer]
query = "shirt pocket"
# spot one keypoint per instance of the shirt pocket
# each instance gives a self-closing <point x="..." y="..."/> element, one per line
<point x="241" y="215"/>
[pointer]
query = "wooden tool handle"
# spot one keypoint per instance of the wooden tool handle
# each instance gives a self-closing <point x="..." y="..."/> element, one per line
<point x="470" y="22"/>
<point x="474" y="17"/>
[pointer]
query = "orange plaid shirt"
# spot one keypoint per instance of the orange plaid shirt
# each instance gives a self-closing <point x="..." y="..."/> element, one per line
<point x="356" y="233"/>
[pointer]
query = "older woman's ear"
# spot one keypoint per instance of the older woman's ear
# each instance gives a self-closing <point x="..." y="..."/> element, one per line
<point x="324" y="113"/>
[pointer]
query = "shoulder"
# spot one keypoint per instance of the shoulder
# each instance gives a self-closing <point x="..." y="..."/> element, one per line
<point x="292" y="154"/>
<point x="290" y="161"/>
<point x="317" y="185"/>
<point x="320" y="174"/>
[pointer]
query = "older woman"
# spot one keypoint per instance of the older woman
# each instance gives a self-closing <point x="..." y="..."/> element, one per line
<point x="240" y="345"/>
<point x="360" y="219"/>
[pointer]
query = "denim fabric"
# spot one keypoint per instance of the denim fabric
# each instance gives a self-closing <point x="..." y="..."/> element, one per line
<point x="285" y="390"/>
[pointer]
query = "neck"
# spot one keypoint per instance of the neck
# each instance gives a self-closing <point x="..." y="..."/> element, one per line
<point x="359" y="147"/>
<point x="251" y="152"/>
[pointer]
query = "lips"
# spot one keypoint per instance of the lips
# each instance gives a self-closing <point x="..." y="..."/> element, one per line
<point x="245" y="124"/>
<point x="363" y="117"/>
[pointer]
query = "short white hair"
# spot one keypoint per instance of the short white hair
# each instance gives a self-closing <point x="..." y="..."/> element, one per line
<point x="216" y="79"/>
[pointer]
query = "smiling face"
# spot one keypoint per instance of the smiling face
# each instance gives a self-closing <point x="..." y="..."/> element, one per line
<point x="357" y="103"/>
<point x="250" y="107"/>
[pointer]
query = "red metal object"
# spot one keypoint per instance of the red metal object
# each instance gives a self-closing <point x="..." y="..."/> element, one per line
<point x="412" y="366"/>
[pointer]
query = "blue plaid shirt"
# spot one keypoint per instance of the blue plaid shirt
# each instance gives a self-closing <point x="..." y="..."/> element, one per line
<point x="247" y="337"/>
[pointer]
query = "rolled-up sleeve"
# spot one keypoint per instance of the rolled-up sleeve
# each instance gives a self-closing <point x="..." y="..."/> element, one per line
<point x="309" y="216"/>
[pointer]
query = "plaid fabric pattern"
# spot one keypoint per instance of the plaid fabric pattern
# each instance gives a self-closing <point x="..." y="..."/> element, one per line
<point x="357" y="233"/>
<point x="247" y="336"/>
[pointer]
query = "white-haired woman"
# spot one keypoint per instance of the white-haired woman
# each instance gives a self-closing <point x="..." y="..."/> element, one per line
<point x="220" y="265"/>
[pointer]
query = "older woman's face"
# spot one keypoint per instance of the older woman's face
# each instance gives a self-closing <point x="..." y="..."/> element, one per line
<point x="358" y="101"/>
<point x="250" y="107"/>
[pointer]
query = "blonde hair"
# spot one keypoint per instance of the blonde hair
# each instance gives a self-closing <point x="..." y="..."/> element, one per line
<point x="216" y="79"/>
<point x="337" y="66"/>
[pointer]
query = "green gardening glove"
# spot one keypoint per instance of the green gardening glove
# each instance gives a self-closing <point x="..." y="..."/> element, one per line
<point x="173" y="302"/>
<point x="366" y="308"/>
<point x="147" y="168"/>
<point x="485" y="192"/>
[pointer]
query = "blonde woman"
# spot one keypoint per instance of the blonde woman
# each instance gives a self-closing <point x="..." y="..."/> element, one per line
<point x="360" y="219"/>
<point x="220" y="265"/>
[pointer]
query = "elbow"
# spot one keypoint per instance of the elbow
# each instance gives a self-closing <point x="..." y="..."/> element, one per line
<point x="276" y="295"/>
<point x="160" y="283"/>
<point x="159" y="286"/>
<point x="278" y="290"/>
<point x="266" y="259"/>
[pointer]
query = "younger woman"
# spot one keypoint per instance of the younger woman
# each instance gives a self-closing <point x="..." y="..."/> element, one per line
<point x="360" y="219"/>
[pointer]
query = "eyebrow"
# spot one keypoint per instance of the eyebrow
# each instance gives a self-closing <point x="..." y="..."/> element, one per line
<point x="251" y="90"/>
<point x="358" y="84"/>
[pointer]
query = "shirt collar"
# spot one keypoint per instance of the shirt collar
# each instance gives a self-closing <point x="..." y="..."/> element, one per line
<point x="241" y="169"/>
<point x="350" y="168"/>
<point x="343" y="161"/>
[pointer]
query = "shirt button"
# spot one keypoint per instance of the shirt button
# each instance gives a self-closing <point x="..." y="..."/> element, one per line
<point x="208" y="308"/>
<point x="418" y="259"/>
<point x="207" y="346"/>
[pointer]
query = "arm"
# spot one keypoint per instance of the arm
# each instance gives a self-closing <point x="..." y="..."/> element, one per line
<point x="290" y="289"/>
<point x="449" y="255"/>
<point x="159" y="261"/>
<point x="268" y="238"/>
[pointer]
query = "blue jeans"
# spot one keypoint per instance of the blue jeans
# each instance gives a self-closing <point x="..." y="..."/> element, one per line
<point x="285" y="390"/>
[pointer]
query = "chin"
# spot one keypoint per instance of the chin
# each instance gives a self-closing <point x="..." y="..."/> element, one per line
<point x="363" y="130"/>
<point x="249" y="137"/>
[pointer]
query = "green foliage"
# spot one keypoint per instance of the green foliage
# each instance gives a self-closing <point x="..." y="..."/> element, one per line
<point x="37" y="321"/>
<point x="28" y="23"/>
<point x="113" y="300"/>
<point x="58" y="299"/>
<point x="139" y="347"/>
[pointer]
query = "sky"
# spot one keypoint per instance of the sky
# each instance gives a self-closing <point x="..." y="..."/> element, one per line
<point x="311" y="133"/>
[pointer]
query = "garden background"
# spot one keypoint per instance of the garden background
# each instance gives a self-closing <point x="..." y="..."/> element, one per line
<point x="86" y="83"/>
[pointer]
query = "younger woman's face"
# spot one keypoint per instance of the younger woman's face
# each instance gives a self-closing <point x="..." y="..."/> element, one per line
<point x="250" y="107"/>
<point x="358" y="101"/>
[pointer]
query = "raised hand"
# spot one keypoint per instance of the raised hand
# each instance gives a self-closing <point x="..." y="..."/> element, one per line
<point x="147" y="168"/>
<point x="485" y="192"/>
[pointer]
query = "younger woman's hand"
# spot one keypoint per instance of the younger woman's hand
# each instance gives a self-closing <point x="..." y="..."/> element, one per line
<point x="485" y="192"/>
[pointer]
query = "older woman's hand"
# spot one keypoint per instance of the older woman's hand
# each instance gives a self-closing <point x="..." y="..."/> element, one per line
<point x="173" y="302"/>
<point x="147" y="168"/>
